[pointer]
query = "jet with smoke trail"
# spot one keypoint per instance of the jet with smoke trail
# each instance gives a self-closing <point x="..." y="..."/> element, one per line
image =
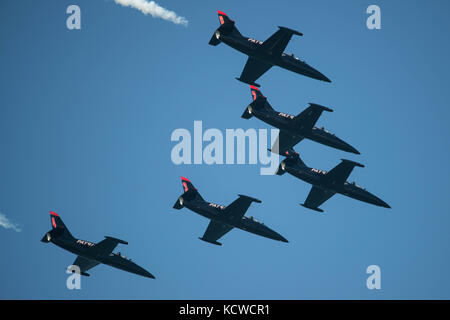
<point x="154" y="9"/>
<point x="91" y="254"/>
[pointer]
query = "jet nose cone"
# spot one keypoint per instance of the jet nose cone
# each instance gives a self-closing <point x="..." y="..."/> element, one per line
<point x="353" y="150"/>
<point x="284" y="240"/>
<point x="148" y="274"/>
<point x="381" y="203"/>
<point x="309" y="71"/>
<point x="320" y="76"/>
<point x="344" y="146"/>
<point x="279" y="237"/>
<point x="271" y="234"/>
<point x="142" y="272"/>
<point x="325" y="79"/>
<point x="348" y="148"/>
<point x="385" y="205"/>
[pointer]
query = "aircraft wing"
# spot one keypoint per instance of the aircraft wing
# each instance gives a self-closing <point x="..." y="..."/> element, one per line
<point x="277" y="42"/>
<point x="285" y="141"/>
<point x="316" y="197"/>
<point x="85" y="264"/>
<point x="106" y="246"/>
<point x="253" y="69"/>
<point x="239" y="207"/>
<point x="215" y="231"/>
<point x="340" y="173"/>
<point x="235" y="211"/>
<point x="308" y="118"/>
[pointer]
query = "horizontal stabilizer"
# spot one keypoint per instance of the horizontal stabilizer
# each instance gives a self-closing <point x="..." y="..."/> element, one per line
<point x="211" y="241"/>
<point x="85" y="274"/>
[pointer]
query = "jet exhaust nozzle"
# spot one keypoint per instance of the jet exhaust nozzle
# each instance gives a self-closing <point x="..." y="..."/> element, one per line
<point x="46" y="238"/>
<point x="248" y="112"/>
<point x="179" y="203"/>
<point x="215" y="39"/>
<point x="281" y="169"/>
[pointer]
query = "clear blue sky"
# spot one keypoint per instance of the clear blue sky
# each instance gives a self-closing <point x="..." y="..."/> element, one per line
<point x="85" y="124"/>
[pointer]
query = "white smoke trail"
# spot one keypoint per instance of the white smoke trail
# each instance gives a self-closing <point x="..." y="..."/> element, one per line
<point x="5" y="223"/>
<point x="151" y="7"/>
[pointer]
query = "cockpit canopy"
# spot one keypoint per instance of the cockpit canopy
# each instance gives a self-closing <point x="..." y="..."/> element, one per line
<point x="284" y="54"/>
<point x="121" y="256"/>
<point x="325" y="130"/>
<point x="353" y="183"/>
<point x="253" y="219"/>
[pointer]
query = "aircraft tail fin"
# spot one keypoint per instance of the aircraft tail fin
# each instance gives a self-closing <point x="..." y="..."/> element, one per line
<point x="256" y="93"/>
<point x="190" y="193"/>
<point x="227" y="28"/>
<point x="259" y="102"/>
<point x="227" y="24"/>
<point x="58" y="228"/>
<point x="293" y="157"/>
<point x="56" y="221"/>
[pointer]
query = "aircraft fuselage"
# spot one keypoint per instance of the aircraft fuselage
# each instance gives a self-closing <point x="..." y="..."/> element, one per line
<point x="252" y="47"/>
<point x="285" y="122"/>
<point x="84" y="248"/>
<point x="316" y="178"/>
<point x="215" y="212"/>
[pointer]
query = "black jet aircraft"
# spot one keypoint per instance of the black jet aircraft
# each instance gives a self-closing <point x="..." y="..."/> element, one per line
<point x="223" y="219"/>
<point x="326" y="184"/>
<point x="262" y="55"/>
<point x="90" y="254"/>
<point x="293" y="129"/>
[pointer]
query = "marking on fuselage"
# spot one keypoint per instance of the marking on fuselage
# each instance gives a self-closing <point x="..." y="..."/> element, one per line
<point x="285" y="115"/>
<point x="318" y="171"/>
<point x="255" y="41"/>
<point x="218" y="206"/>
<point x="85" y="243"/>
